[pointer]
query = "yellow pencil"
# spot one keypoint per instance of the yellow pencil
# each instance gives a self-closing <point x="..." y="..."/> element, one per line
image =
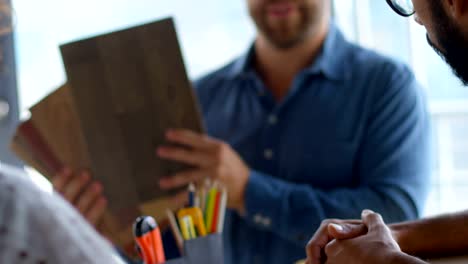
<point x="197" y="218"/>
<point x="184" y="228"/>
<point x="191" y="227"/>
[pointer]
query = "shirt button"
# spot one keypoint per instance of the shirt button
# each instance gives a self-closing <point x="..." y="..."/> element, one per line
<point x="267" y="222"/>
<point x="302" y="237"/>
<point x="272" y="120"/>
<point x="268" y="154"/>
<point x="258" y="219"/>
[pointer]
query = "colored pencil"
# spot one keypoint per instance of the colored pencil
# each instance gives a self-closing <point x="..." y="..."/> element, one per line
<point x="191" y="228"/>
<point x="222" y="211"/>
<point x="175" y="230"/>
<point x="214" y="224"/>
<point x="210" y="207"/>
<point x="184" y="227"/>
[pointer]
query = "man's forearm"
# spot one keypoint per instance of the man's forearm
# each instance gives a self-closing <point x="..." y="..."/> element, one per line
<point x="402" y="258"/>
<point x="283" y="203"/>
<point x="434" y="237"/>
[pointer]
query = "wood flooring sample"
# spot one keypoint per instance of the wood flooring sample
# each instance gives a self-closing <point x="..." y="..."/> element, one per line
<point x="129" y="87"/>
<point x="56" y="119"/>
<point x="22" y="150"/>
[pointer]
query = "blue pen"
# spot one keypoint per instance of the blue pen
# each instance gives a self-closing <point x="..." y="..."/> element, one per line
<point x="192" y="195"/>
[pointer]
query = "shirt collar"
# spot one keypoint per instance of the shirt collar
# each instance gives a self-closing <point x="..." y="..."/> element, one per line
<point x="329" y="62"/>
<point x="243" y="65"/>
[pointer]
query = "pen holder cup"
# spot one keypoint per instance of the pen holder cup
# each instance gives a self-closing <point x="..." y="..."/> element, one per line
<point x="203" y="250"/>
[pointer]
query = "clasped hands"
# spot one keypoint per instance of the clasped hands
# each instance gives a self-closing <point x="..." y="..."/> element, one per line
<point x="353" y="242"/>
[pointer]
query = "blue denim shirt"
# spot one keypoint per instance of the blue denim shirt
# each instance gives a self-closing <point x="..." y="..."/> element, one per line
<point x="352" y="133"/>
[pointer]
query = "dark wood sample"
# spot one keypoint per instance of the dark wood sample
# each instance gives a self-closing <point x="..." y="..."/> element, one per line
<point x="129" y="87"/>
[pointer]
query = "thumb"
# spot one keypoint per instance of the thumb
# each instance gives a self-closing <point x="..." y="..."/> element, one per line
<point x="346" y="231"/>
<point x="372" y="220"/>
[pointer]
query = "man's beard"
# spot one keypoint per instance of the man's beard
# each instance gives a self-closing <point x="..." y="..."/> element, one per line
<point x="285" y="40"/>
<point x="453" y="44"/>
<point x="289" y="35"/>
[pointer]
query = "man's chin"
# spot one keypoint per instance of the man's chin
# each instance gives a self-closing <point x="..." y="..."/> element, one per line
<point x="463" y="76"/>
<point x="284" y="45"/>
<point x="451" y="41"/>
<point x="284" y="41"/>
<point x="455" y="56"/>
<point x="458" y="65"/>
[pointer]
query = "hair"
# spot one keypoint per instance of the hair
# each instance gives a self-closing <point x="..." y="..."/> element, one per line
<point x="5" y="29"/>
<point x="5" y="18"/>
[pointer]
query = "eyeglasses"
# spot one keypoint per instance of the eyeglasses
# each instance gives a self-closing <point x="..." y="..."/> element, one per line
<point x="402" y="7"/>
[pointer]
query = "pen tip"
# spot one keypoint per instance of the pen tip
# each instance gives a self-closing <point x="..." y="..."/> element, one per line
<point x="191" y="187"/>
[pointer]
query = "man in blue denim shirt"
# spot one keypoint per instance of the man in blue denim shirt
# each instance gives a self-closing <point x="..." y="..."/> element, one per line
<point x="305" y="126"/>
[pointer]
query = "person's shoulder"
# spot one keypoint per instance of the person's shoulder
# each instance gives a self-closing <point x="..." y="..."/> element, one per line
<point x="389" y="79"/>
<point x="18" y="206"/>
<point x="31" y="213"/>
<point x="377" y="65"/>
<point x="216" y="81"/>
<point x="19" y="192"/>
<point x="14" y="183"/>
<point x="212" y="79"/>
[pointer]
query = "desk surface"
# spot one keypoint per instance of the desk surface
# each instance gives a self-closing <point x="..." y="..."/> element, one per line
<point x="458" y="260"/>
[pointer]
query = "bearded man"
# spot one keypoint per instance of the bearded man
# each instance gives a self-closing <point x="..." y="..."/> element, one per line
<point x="369" y="240"/>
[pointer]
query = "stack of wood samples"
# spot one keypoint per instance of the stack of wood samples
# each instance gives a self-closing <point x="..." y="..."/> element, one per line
<point x="124" y="90"/>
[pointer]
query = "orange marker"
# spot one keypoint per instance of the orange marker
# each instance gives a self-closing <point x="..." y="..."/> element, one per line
<point x="148" y="239"/>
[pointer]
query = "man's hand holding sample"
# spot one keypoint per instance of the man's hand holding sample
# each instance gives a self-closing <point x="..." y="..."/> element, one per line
<point x="211" y="158"/>
<point x="87" y="195"/>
